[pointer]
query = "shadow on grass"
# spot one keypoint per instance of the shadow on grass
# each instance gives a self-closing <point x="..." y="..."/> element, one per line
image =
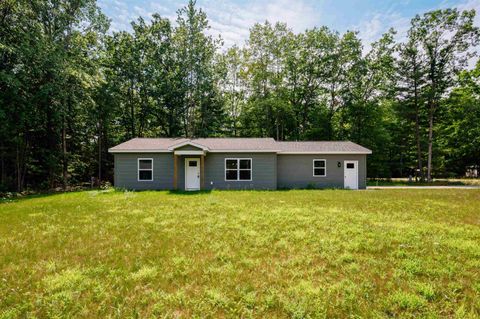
<point x="180" y="192"/>
<point x="406" y="183"/>
<point x="19" y="198"/>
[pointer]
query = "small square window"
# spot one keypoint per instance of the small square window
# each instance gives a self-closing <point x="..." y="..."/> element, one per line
<point x="192" y="163"/>
<point x="350" y="165"/>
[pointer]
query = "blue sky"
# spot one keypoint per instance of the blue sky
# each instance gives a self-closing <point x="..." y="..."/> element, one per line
<point x="233" y="18"/>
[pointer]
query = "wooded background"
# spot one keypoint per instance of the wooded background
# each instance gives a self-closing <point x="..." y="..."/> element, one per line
<point x="70" y="89"/>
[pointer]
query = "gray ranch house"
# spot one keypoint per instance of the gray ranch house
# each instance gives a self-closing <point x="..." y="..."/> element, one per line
<point x="237" y="163"/>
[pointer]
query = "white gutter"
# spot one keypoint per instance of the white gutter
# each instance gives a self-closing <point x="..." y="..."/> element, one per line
<point x="138" y="151"/>
<point x="328" y="152"/>
<point x="240" y="151"/>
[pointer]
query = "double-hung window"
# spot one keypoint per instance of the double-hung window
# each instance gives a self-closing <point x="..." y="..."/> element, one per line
<point x="238" y="169"/>
<point x="319" y="167"/>
<point x="145" y="169"/>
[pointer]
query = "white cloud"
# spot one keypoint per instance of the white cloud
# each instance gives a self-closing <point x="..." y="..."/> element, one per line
<point x="471" y="4"/>
<point x="233" y="22"/>
<point x="376" y="24"/>
<point x="230" y="20"/>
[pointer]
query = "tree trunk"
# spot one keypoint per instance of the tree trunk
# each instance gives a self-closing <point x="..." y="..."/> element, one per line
<point x="64" y="153"/>
<point x="20" y="166"/>
<point x="419" y="147"/>
<point x="132" y="113"/>
<point x="278" y="131"/>
<point x="234" y="113"/>
<point x="2" y="164"/>
<point x="99" y="153"/>
<point x="330" y="114"/>
<point x="430" y="144"/>
<point x="18" y="169"/>
<point x="417" y="135"/>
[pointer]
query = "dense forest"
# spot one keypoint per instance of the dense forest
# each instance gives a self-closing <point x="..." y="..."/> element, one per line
<point x="70" y="89"/>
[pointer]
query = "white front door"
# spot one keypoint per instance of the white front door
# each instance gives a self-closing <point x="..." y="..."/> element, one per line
<point x="350" y="171"/>
<point x="192" y="174"/>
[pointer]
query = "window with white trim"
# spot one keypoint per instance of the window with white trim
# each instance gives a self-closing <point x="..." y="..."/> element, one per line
<point x="145" y="169"/>
<point x="319" y="167"/>
<point x="238" y="169"/>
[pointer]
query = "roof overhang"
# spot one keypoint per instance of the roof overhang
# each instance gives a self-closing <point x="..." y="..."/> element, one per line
<point x="189" y="152"/>
<point x="138" y="151"/>
<point x="243" y="151"/>
<point x="202" y="152"/>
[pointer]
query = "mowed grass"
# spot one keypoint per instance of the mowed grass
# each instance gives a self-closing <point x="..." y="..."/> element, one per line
<point x="297" y="254"/>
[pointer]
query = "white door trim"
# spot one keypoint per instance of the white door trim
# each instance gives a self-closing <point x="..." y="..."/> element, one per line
<point x="345" y="171"/>
<point x="188" y="159"/>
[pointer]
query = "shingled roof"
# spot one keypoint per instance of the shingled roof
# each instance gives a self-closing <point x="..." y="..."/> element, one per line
<point x="336" y="147"/>
<point x="160" y="145"/>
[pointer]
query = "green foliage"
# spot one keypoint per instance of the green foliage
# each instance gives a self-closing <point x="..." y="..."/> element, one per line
<point x="69" y="90"/>
<point x="256" y="254"/>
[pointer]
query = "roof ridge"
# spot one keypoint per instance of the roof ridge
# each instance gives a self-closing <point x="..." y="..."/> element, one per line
<point x="159" y="138"/>
<point x="344" y="141"/>
<point x="235" y="137"/>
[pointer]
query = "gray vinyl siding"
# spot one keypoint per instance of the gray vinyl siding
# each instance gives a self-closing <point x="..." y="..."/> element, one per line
<point x="296" y="171"/>
<point x="126" y="171"/>
<point x="264" y="171"/>
<point x="269" y="171"/>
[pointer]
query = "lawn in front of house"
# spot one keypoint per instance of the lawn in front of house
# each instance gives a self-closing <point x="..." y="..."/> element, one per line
<point x="301" y="254"/>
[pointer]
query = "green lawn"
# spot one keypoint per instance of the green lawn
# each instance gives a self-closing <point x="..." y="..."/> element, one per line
<point x="301" y="254"/>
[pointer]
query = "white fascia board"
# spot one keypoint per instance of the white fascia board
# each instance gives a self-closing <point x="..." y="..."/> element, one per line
<point x="189" y="152"/>
<point x="139" y="151"/>
<point x="238" y="151"/>
<point x="244" y="151"/>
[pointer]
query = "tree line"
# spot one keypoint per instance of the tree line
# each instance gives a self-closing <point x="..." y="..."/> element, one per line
<point x="70" y="89"/>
